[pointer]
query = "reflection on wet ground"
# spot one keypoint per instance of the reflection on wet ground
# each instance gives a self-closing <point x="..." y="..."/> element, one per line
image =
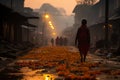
<point x="57" y="68"/>
<point x="17" y="71"/>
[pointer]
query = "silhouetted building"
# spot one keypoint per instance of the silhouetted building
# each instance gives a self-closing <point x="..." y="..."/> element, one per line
<point x="12" y="18"/>
<point x="17" y="5"/>
<point x="97" y="29"/>
<point x="95" y="14"/>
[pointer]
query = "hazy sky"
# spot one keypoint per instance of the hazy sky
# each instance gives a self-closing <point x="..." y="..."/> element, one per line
<point x="68" y="5"/>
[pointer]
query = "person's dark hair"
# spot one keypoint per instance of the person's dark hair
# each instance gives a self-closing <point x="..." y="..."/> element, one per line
<point x="84" y="21"/>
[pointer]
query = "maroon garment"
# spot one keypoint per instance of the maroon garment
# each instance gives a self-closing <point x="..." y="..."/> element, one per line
<point x="83" y="49"/>
<point x="83" y="39"/>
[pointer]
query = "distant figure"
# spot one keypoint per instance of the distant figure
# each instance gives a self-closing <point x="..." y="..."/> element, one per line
<point x="52" y="42"/>
<point x="57" y="41"/>
<point x="61" y="41"/>
<point x="82" y="40"/>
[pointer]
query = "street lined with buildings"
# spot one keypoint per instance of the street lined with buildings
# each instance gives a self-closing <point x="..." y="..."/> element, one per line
<point x="34" y="47"/>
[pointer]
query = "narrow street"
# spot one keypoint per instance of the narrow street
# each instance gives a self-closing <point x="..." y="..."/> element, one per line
<point x="38" y="39"/>
<point x="60" y="63"/>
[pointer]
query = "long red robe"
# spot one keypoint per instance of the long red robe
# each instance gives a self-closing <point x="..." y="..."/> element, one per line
<point x="83" y="39"/>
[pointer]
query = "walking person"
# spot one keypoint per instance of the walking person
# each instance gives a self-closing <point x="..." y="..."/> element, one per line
<point x="61" y="41"/>
<point x="52" y="42"/>
<point x="82" y="40"/>
<point x="57" y="41"/>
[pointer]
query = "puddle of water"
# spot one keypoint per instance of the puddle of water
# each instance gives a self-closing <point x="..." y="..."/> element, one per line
<point x="37" y="74"/>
